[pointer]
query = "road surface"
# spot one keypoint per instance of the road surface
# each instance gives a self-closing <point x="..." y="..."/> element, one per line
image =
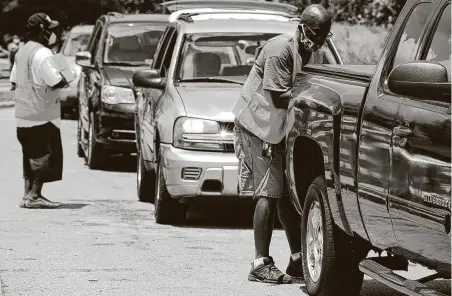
<point x="104" y="242"/>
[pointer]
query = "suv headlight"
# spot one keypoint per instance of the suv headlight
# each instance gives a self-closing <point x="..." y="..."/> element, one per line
<point x="117" y="95"/>
<point x="200" y="134"/>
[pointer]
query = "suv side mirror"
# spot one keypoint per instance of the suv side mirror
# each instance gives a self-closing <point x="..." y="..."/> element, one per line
<point x="421" y="79"/>
<point x="83" y="58"/>
<point x="148" y="79"/>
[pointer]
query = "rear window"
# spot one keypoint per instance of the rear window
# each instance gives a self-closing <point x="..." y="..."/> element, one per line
<point x="132" y="43"/>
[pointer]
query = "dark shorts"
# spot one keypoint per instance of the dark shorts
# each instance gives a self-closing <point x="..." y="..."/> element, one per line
<point x="42" y="152"/>
<point x="259" y="175"/>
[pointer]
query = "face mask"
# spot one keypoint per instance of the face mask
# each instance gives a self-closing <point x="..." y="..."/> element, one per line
<point x="307" y="43"/>
<point x="50" y="38"/>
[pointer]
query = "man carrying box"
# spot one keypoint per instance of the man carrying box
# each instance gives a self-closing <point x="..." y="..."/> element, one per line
<point x="36" y="77"/>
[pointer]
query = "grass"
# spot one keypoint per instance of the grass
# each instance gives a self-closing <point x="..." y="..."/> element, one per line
<point x="358" y="44"/>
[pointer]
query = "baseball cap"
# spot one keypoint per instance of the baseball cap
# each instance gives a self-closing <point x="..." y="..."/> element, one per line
<point x="42" y="21"/>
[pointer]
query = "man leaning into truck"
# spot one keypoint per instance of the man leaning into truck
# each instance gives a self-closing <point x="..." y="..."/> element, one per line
<point x="259" y="138"/>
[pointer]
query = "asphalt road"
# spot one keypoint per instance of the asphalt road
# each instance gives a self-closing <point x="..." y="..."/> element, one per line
<point x="104" y="242"/>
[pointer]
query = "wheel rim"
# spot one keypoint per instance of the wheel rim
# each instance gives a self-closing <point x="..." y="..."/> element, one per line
<point x="314" y="241"/>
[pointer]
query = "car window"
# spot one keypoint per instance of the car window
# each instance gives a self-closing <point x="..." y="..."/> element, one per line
<point x="160" y="51"/>
<point x="95" y="43"/>
<point x="133" y="44"/>
<point x="409" y="41"/>
<point x="74" y="43"/>
<point x="168" y="54"/>
<point x="219" y="54"/>
<point x="439" y="49"/>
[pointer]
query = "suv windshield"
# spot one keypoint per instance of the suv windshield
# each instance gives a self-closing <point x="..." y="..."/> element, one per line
<point x="74" y="43"/>
<point x="132" y="44"/>
<point x="219" y="54"/>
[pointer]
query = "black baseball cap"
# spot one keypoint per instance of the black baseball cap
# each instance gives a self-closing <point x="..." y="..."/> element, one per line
<point x="42" y="21"/>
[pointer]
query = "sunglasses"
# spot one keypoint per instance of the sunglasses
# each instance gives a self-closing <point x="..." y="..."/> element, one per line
<point x="304" y="28"/>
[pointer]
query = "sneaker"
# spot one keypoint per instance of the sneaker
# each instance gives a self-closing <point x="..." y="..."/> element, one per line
<point x="295" y="268"/>
<point x="268" y="273"/>
<point x="39" y="203"/>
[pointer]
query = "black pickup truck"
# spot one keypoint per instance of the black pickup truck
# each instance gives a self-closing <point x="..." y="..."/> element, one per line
<point x="369" y="160"/>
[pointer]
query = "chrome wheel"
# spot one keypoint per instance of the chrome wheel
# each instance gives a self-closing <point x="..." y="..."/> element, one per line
<point x="314" y="241"/>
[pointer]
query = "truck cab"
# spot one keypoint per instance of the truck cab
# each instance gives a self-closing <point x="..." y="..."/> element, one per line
<point x="369" y="160"/>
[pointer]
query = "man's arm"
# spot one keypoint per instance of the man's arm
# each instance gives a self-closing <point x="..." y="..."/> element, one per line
<point x="51" y="75"/>
<point x="278" y="81"/>
<point x="12" y="77"/>
<point x="281" y="100"/>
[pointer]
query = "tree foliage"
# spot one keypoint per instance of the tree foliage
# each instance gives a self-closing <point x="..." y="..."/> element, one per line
<point x="363" y="12"/>
<point x="14" y="13"/>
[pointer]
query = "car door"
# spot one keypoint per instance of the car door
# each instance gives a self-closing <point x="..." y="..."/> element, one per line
<point x="374" y="154"/>
<point x="152" y="95"/>
<point x="420" y="186"/>
<point x="144" y="98"/>
<point x="86" y="78"/>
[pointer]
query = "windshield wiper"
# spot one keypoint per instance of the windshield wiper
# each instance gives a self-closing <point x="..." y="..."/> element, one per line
<point x="211" y="79"/>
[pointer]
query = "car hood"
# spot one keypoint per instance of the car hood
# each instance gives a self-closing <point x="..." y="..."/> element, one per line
<point x="121" y="76"/>
<point x="212" y="101"/>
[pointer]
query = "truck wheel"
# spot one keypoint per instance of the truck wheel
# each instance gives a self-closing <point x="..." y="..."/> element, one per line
<point x="145" y="181"/>
<point x="167" y="209"/>
<point x="328" y="265"/>
<point x="94" y="158"/>
<point x="80" y="152"/>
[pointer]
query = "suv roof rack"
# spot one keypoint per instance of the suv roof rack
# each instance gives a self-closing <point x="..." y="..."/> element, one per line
<point x="187" y="14"/>
<point x="176" y="5"/>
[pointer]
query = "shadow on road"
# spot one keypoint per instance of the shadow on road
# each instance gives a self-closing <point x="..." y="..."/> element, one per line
<point x="121" y="164"/>
<point x="66" y="206"/>
<point x="74" y="206"/>
<point x="374" y="288"/>
<point x="234" y="215"/>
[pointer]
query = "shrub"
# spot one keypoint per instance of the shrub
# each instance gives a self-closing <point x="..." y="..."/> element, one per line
<point x="359" y="44"/>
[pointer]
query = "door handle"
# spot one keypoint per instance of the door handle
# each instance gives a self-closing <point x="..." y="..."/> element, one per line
<point x="402" y="131"/>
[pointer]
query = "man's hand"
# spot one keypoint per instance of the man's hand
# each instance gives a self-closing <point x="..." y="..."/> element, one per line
<point x="62" y="84"/>
<point x="281" y="100"/>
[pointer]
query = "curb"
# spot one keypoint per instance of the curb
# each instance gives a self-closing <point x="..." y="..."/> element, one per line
<point x="4" y="105"/>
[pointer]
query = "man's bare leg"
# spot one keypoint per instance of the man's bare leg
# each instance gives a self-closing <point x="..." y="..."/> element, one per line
<point x="291" y="222"/>
<point x="27" y="189"/>
<point x="263" y="268"/>
<point x="35" y="199"/>
<point x="264" y="217"/>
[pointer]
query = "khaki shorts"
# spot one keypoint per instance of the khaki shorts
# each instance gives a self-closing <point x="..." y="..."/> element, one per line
<point x="259" y="175"/>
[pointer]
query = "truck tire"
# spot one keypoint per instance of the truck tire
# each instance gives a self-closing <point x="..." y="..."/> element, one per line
<point x="80" y="152"/>
<point x="167" y="209"/>
<point x="145" y="181"/>
<point x="328" y="264"/>
<point x="95" y="156"/>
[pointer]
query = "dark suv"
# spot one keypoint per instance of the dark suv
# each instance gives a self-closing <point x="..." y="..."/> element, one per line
<point x="119" y="46"/>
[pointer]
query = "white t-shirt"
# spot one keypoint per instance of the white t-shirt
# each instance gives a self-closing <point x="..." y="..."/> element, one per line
<point x="43" y="73"/>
